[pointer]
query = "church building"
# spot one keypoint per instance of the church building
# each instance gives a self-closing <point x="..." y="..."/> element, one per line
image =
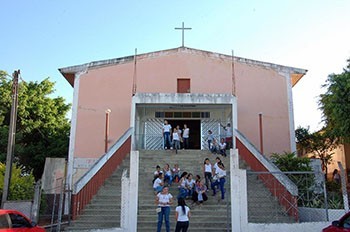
<point x="130" y="97"/>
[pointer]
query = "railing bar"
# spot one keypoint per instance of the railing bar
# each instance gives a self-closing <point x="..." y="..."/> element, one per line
<point x="290" y="172"/>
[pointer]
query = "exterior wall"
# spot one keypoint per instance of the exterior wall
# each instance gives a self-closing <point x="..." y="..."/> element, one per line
<point x="102" y="89"/>
<point x="263" y="91"/>
<point x="259" y="89"/>
<point x="340" y="154"/>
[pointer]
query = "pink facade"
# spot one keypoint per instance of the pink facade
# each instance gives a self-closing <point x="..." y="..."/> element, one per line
<point x="260" y="88"/>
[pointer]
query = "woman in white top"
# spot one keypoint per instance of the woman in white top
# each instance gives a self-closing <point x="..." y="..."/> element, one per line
<point x="182" y="216"/>
<point x="221" y="174"/>
<point x="176" y="140"/>
<point x="164" y="199"/>
<point x="222" y="147"/>
<point x="182" y="186"/>
<point x="207" y="170"/>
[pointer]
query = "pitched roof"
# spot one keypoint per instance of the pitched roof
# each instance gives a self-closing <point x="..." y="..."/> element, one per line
<point x="69" y="72"/>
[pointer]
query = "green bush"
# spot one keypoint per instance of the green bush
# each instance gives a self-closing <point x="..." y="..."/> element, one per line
<point x="21" y="185"/>
<point x="289" y="162"/>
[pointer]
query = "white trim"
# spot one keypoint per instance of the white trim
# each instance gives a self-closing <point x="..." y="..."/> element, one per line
<point x="183" y="98"/>
<point x="151" y="55"/>
<point x="293" y="147"/>
<point x="239" y="198"/>
<point x="70" y="163"/>
<point x="134" y="190"/>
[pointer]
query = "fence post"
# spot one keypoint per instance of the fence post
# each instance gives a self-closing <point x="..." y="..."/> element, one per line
<point x="325" y="197"/>
<point x="36" y="202"/>
<point x="60" y="207"/>
<point x="343" y="187"/>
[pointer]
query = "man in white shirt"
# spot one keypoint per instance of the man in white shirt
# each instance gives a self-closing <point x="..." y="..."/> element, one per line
<point x="166" y="134"/>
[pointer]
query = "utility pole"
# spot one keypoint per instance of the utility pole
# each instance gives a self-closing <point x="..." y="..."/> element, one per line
<point x="11" y="138"/>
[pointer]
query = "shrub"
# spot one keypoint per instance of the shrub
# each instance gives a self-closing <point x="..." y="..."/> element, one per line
<point x="21" y="185"/>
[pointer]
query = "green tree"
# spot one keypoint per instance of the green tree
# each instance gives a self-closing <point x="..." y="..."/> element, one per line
<point x="42" y="127"/>
<point x="22" y="184"/>
<point x="319" y="143"/>
<point x="335" y="105"/>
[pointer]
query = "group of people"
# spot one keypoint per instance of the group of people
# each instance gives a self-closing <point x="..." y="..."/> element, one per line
<point x="214" y="147"/>
<point x="175" y="138"/>
<point x="214" y="175"/>
<point x="164" y="200"/>
<point x="189" y="188"/>
<point x="224" y="143"/>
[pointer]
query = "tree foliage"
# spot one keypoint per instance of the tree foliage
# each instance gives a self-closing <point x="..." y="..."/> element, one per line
<point x="335" y="105"/>
<point x="42" y="129"/>
<point x="319" y="143"/>
<point x="22" y="185"/>
<point x="289" y="162"/>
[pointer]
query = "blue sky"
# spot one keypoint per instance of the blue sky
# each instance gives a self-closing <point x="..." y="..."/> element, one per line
<point x="38" y="37"/>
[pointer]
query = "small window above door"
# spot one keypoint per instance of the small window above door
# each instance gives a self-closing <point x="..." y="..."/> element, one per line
<point x="183" y="86"/>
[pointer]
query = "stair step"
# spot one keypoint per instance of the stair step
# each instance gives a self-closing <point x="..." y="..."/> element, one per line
<point x="104" y="210"/>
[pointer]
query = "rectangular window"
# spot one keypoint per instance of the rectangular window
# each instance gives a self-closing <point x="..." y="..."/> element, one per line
<point x="183" y="86"/>
<point x="169" y="114"/>
<point x="177" y="114"/>
<point x="182" y="114"/>
<point x="186" y="114"/>
<point x="196" y="114"/>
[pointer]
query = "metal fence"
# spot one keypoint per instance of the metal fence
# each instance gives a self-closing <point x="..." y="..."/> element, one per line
<point x="269" y="202"/>
<point x="55" y="207"/>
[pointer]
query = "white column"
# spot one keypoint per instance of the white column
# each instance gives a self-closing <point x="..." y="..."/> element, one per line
<point x="239" y="202"/>
<point x="124" y="211"/>
<point x="134" y="190"/>
<point x="293" y="146"/>
<point x="71" y="151"/>
<point x="234" y="121"/>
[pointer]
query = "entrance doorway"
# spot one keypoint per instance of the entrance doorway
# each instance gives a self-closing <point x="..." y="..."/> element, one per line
<point x="195" y="131"/>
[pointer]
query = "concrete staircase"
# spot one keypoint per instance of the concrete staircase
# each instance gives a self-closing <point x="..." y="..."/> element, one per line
<point x="104" y="210"/>
<point x="262" y="206"/>
<point x="212" y="216"/>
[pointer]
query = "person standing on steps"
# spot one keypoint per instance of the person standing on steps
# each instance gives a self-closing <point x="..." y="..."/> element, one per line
<point x="166" y="130"/>
<point x="186" y="136"/>
<point x="164" y="199"/>
<point x="182" y="216"/>
<point x="210" y="139"/>
<point x="179" y="131"/>
<point x="220" y="181"/>
<point x="228" y="135"/>
<point x="207" y="170"/>
<point x="176" y="140"/>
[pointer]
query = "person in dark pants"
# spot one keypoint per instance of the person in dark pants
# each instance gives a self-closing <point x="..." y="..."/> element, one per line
<point x="182" y="216"/>
<point x="164" y="199"/>
<point x="166" y="130"/>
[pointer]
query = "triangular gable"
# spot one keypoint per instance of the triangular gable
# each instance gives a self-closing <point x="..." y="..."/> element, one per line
<point x="69" y="72"/>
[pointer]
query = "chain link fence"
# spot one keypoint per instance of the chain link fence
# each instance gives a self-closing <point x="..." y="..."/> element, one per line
<point x="270" y="202"/>
<point x="54" y="207"/>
